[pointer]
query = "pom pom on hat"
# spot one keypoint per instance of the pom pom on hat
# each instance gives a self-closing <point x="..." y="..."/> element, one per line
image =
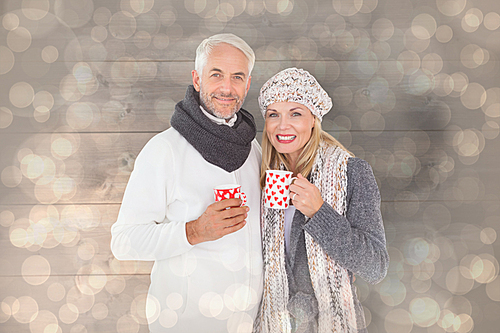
<point x="295" y="85"/>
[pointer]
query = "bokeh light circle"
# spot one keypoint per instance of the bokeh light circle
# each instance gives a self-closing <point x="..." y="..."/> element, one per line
<point x="425" y="311"/>
<point x="127" y="324"/>
<point x="74" y="14"/>
<point x="11" y="176"/>
<point x="35" y="9"/>
<point x="21" y="94"/>
<point x="122" y="25"/>
<point x="382" y="29"/>
<point x="451" y="7"/>
<point x="25" y="309"/>
<point x="423" y="26"/>
<point x="10" y="21"/>
<point x="474" y="96"/>
<point x="50" y="54"/>
<point x="7" y="60"/>
<point x="45" y="322"/>
<point x="491" y="106"/>
<point x="493" y="289"/>
<point x="492" y="21"/>
<point x="19" y="39"/>
<point x="444" y="33"/>
<point x="456" y="283"/>
<point x="56" y="292"/>
<point x="398" y="321"/>
<point x="102" y="16"/>
<point x="36" y="270"/>
<point x="100" y="311"/>
<point x="347" y="7"/>
<point x="68" y="313"/>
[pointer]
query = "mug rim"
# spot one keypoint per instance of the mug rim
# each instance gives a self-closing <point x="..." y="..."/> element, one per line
<point x="282" y="171"/>
<point x="227" y="186"/>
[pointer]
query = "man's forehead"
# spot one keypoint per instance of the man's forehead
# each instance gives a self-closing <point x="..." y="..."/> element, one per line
<point x="227" y="58"/>
<point x="220" y="70"/>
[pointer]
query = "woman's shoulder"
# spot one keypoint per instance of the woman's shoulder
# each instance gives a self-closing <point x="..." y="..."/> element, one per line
<point x="359" y="171"/>
<point x="329" y="151"/>
<point x="357" y="163"/>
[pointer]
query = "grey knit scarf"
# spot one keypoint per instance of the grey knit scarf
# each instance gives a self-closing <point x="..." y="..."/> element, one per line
<point x="224" y="146"/>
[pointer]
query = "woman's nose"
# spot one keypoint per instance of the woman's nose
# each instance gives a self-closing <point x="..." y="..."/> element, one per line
<point x="283" y="123"/>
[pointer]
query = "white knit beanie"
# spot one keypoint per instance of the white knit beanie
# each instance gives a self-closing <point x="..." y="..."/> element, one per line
<point x="295" y="85"/>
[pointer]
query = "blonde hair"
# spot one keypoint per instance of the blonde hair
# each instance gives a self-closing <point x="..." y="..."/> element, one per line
<point x="272" y="159"/>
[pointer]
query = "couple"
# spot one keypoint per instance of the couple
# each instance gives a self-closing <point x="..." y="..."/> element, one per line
<point x="251" y="269"/>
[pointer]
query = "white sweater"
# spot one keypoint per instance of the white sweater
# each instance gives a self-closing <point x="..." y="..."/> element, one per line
<point x="213" y="286"/>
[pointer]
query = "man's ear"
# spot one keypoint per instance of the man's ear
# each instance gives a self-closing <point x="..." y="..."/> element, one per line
<point x="196" y="80"/>
<point x="248" y="84"/>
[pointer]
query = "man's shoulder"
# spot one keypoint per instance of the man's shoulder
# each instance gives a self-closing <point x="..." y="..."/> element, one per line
<point x="256" y="145"/>
<point x="168" y="140"/>
<point x="256" y="150"/>
<point x="169" y="135"/>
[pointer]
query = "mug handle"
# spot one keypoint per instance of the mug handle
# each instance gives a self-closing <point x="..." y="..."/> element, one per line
<point x="243" y="198"/>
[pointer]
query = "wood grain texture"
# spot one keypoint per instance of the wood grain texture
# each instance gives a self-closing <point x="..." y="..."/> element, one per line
<point x="147" y="103"/>
<point x="86" y="247"/>
<point x="421" y="109"/>
<point x="420" y="162"/>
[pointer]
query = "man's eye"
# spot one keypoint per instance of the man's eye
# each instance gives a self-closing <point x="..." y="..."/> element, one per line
<point x="215" y="75"/>
<point x="238" y="78"/>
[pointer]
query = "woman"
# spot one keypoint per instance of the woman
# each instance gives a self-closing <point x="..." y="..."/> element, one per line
<point x="334" y="229"/>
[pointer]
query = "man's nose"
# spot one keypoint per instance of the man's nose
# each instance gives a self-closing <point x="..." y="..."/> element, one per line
<point x="226" y="85"/>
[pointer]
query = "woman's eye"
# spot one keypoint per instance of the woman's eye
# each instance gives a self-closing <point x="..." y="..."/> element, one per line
<point x="271" y="115"/>
<point x="295" y="114"/>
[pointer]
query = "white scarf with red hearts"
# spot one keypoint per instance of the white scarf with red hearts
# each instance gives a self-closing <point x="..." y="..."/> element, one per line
<point x="331" y="282"/>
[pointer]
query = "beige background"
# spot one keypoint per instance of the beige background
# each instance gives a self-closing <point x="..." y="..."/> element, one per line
<point x="85" y="83"/>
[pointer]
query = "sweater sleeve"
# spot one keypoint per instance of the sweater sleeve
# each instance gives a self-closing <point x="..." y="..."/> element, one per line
<point x="142" y="231"/>
<point x="357" y="240"/>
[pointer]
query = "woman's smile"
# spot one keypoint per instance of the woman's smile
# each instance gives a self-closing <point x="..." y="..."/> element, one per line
<point x="285" y="138"/>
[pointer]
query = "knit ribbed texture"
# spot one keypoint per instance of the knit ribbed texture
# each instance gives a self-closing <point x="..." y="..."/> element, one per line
<point x="330" y="281"/>
<point x="224" y="146"/>
<point x="356" y="240"/>
<point x="295" y="85"/>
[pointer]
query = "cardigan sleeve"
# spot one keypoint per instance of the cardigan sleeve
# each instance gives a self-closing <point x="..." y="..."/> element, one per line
<point x="142" y="231"/>
<point x="356" y="240"/>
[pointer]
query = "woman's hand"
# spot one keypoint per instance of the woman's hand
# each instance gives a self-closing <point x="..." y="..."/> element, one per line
<point x="305" y="196"/>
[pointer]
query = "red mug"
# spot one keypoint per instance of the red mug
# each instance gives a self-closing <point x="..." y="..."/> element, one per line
<point x="230" y="191"/>
<point x="277" y="189"/>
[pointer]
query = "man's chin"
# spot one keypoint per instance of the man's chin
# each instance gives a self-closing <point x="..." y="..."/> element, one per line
<point x="226" y="113"/>
<point x="224" y="116"/>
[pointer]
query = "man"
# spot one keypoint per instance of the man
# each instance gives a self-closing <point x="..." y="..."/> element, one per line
<point x="207" y="275"/>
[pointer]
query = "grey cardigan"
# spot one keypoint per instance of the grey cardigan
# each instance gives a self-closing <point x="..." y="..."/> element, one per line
<point x="356" y="241"/>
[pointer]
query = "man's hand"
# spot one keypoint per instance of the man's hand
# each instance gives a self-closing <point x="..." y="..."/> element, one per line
<point x="217" y="221"/>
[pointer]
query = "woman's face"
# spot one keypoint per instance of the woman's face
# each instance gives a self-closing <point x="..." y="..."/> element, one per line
<point x="289" y="126"/>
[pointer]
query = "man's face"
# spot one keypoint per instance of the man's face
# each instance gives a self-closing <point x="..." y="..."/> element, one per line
<point x="224" y="82"/>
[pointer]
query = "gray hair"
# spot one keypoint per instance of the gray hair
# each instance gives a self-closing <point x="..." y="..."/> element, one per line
<point x="206" y="46"/>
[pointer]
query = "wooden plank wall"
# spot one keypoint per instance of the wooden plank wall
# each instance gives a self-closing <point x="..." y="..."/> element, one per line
<point x="84" y="84"/>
